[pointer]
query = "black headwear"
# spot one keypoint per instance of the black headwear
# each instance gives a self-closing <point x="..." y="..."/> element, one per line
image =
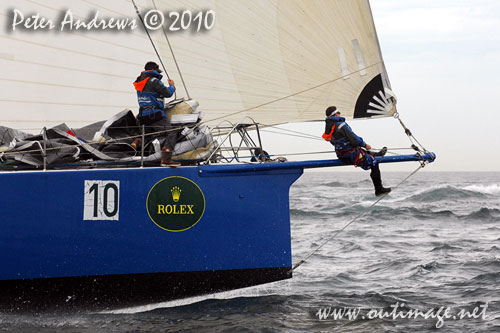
<point x="330" y="110"/>
<point x="151" y="65"/>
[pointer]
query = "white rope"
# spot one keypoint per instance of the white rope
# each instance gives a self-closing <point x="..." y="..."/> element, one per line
<point x="363" y="213"/>
<point x="173" y="55"/>
<point x="152" y="43"/>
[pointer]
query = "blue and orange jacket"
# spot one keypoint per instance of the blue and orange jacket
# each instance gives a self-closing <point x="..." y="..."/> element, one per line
<point x="341" y="135"/>
<point x="151" y="93"/>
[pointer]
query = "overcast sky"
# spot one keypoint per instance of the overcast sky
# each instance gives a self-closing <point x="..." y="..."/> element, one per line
<point x="443" y="60"/>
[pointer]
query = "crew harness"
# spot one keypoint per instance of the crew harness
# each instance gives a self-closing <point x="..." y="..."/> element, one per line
<point x="343" y="147"/>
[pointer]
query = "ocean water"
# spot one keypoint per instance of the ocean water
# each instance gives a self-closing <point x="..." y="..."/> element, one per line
<point x="425" y="259"/>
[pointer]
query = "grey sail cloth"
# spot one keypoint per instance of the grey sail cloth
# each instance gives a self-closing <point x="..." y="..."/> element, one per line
<point x="104" y="141"/>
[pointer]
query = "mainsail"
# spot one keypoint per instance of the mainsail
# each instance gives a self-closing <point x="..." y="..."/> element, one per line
<point x="275" y="61"/>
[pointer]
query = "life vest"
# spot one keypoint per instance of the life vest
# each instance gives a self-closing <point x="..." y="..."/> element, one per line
<point x="342" y="145"/>
<point x="335" y="120"/>
<point x="328" y="137"/>
<point x="149" y="101"/>
<point x="139" y="86"/>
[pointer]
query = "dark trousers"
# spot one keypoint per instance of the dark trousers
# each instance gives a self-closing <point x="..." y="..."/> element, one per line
<point x="368" y="163"/>
<point x="160" y="129"/>
<point x="376" y="176"/>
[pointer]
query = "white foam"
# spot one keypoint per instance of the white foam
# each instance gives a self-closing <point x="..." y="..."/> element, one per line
<point x="487" y="189"/>
<point x="273" y="288"/>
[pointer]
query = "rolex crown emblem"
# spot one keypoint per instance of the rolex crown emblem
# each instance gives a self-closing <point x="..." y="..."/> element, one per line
<point x="176" y="193"/>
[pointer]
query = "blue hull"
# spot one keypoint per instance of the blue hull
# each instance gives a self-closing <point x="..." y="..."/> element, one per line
<point x="108" y="238"/>
<point x="47" y="238"/>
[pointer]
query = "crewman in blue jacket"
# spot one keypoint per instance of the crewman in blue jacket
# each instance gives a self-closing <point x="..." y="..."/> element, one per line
<point x="151" y="93"/>
<point x="351" y="149"/>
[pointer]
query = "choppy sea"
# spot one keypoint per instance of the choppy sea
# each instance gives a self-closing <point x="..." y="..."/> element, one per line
<point x="425" y="259"/>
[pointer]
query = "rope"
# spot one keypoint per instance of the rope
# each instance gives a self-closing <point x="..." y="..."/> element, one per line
<point x="211" y="120"/>
<point x="412" y="138"/>
<point x="93" y="143"/>
<point x="173" y="55"/>
<point x="152" y="43"/>
<point x="390" y="149"/>
<point x="292" y="135"/>
<point x="363" y="213"/>
<point x="291" y="154"/>
<point x="302" y="134"/>
<point x="292" y="95"/>
<point x="218" y="118"/>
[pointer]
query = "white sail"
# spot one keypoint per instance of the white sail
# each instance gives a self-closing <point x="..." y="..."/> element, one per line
<point x="276" y="61"/>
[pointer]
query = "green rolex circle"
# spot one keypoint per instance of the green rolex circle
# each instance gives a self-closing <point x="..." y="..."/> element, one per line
<point x="175" y="204"/>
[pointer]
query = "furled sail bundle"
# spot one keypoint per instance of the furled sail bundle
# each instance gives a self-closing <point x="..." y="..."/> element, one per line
<point x="276" y="61"/>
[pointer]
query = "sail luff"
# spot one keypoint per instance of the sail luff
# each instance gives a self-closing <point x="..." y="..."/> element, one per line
<point x="385" y="76"/>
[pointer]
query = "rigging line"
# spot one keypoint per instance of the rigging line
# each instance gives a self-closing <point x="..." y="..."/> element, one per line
<point x="393" y="153"/>
<point x="101" y="142"/>
<point x="149" y="134"/>
<point x="152" y="43"/>
<point x="83" y="18"/>
<point x="294" y="154"/>
<point x="408" y="132"/>
<point x="313" y="100"/>
<point x="394" y="148"/>
<point x="173" y="55"/>
<point x="422" y="165"/>
<point x="293" y="135"/>
<point x="83" y="35"/>
<point x="90" y="143"/>
<point x="294" y="94"/>
<point x="291" y="131"/>
<point x="299" y="154"/>
<point x="291" y="154"/>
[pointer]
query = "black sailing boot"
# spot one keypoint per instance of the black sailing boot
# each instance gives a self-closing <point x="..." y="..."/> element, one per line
<point x="382" y="190"/>
<point x="382" y="152"/>
<point x="166" y="158"/>
<point x="377" y="181"/>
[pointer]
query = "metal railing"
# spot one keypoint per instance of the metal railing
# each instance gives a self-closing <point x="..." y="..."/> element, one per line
<point x="226" y="151"/>
<point x="228" y="143"/>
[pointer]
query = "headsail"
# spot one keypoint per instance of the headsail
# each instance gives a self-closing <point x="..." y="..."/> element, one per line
<point x="285" y="61"/>
<point x="276" y="61"/>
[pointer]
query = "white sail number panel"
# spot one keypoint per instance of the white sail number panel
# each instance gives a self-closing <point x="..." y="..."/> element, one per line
<point x="101" y="200"/>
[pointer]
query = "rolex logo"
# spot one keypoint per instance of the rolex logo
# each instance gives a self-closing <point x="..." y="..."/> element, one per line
<point x="176" y="193"/>
<point x="168" y="210"/>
